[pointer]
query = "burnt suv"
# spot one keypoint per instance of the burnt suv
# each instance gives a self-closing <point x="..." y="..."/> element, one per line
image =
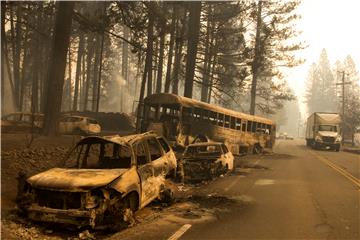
<point x="105" y="179"/>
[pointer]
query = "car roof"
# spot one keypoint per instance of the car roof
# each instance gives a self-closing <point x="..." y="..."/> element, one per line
<point x="128" y="139"/>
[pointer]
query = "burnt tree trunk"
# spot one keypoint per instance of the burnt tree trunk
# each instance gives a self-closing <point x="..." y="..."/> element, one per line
<point x="90" y="53"/>
<point x="16" y="42"/>
<point x="96" y="72"/>
<point x="255" y="64"/>
<point x="147" y="70"/>
<point x="207" y="58"/>
<point x="125" y="66"/>
<point x="171" y="49"/>
<point x="193" y="39"/>
<point x="3" y="49"/>
<point x="161" y="59"/>
<point x="178" y="53"/>
<point x="149" y="52"/>
<point x="80" y="53"/>
<point x="57" y="66"/>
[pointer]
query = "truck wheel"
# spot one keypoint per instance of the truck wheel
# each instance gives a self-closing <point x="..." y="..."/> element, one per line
<point x="337" y="148"/>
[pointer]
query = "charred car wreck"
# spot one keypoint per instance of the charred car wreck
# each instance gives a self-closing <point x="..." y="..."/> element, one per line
<point x="204" y="161"/>
<point x="105" y="179"/>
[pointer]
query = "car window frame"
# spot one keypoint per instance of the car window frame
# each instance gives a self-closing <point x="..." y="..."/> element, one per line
<point x="162" y="152"/>
<point x="146" y="147"/>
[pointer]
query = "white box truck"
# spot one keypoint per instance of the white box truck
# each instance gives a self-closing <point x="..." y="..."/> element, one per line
<point x="323" y="131"/>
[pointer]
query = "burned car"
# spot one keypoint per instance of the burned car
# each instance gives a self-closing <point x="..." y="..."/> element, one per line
<point x="105" y="179"/>
<point x="33" y="122"/>
<point x="203" y="161"/>
<point x="22" y="122"/>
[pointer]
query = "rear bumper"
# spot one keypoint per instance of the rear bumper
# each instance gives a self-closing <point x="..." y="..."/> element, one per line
<point x="70" y="216"/>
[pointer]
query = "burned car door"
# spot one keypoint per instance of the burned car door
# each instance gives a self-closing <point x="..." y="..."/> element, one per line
<point x="171" y="161"/>
<point x="146" y="173"/>
<point x="158" y="160"/>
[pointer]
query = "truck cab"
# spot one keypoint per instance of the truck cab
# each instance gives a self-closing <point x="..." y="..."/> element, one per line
<point x="323" y="131"/>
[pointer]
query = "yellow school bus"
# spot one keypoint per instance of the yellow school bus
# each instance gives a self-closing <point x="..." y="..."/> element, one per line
<point x="183" y="121"/>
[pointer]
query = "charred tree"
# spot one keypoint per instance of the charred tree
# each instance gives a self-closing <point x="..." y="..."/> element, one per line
<point x="161" y="61"/>
<point x="178" y="52"/>
<point x="89" y="57"/>
<point x="80" y="53"/>
<point x="57" y="66"/>
<point x="256" y="62"/>
<point x="149" y="52"/>
<point x="171" y="49"/>
<point x="193" y="39"/>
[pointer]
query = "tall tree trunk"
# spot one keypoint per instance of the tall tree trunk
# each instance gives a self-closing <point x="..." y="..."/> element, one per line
<point x="99" y="77"/>
<point x="207" y="57"/>
<point x="96" y="72"/>
<point x="149" y="52"/>
<point x="161" y="61"/>
<point x="124" y="67"/>
<point x="83" y="82"/>
<point x="90" y="54"/>
<point x="171" y="49"/>
<point x="3" y="49"/>
<point x="57" y="67"/>
<point x="193" y="39"/>
<point x="68" y="93"/>
<point x="24" y="77"/>
<point x="16" y="41"/>
<point x="155" y="63"/>
<point x="178" y="53"/>
<point x="147" y="71"/>
<point x="125" y="55"/>
<point x="255" y="64"/>
<point x="80" y="53"/>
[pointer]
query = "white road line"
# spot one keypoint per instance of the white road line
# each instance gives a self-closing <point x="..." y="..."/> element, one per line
<point x="231" y="184"/>
<point x="180" y="232"/>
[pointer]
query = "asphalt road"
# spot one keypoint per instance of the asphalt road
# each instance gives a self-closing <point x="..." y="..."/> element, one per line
<point x="296" y="193"/>
<point x="305" y="194"/>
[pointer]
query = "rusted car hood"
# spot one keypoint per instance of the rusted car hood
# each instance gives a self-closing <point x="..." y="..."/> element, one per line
<point x="74" y="179"/>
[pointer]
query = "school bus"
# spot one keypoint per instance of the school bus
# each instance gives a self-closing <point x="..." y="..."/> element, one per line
<point x="183" y="121"/>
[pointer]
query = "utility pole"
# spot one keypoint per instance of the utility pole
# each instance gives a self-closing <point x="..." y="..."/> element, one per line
<point x="343" y="83"/>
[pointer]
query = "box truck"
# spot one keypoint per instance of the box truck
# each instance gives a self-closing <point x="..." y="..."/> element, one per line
<point x="323" y="131"/>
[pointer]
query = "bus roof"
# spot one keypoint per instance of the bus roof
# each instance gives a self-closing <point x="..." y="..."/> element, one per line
<point x="172" y="99"/>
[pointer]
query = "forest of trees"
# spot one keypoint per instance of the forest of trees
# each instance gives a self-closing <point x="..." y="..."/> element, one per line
<point x="108" y="56"/>
<point x="324" y="89"/>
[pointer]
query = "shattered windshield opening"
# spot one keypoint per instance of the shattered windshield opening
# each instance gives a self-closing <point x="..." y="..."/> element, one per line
<point x="210" y="150"/>
<point x="100" y="154"/>
<point x="328" y="128"/>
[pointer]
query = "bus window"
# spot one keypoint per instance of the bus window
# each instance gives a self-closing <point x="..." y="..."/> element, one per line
<point x="232" y="122"/>
<point x="221" y="120"/>
<point x="213" y="117"/>
<point x="237" y="123"/>
<point x="186" y="114"/>
<point x="197" y="114"/>
<point x="249" y="124"/>
<point x="205" y="114"/>
<point x="227" y="121"/>
<point x="243" y="127"/>
<point x="253" y="127"/>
